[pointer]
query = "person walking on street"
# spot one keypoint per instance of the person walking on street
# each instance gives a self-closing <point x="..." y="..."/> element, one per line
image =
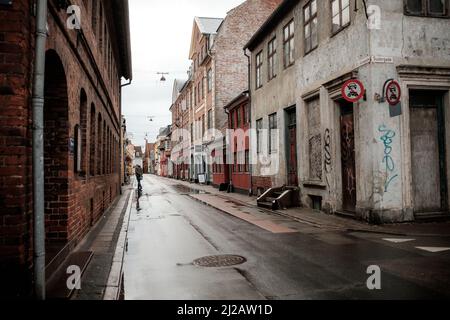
<point x="139" y="175"/>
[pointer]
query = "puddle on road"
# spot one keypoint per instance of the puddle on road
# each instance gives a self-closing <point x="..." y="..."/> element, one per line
<point x="182" y="189"/>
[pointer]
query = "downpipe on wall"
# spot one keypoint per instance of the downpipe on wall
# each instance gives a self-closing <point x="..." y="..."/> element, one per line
<point x="249" y="68"/>
<point x="38" y="150"/>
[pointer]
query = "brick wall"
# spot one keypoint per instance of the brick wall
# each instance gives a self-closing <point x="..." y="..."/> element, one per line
<point x="261" y="184"/>
<point x="76" y="84"/>
<point x="15" y="147"/>
<point x="231" y="65"/>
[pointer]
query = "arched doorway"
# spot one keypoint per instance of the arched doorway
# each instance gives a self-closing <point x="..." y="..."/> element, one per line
<point x="56" y="154"/>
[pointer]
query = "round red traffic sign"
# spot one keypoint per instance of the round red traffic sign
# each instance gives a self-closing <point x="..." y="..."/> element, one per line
<point x="353" y="90"/>
<point x="393" y="93"/>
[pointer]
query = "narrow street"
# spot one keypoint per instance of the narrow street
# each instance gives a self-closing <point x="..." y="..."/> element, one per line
<point x="285" y="259"/>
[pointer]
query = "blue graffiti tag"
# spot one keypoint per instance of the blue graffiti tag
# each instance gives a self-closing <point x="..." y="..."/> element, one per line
<point x="388" y="139"/>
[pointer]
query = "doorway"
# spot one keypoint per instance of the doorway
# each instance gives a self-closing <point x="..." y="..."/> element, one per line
<point x="348" y="163"/>
<point x="292" y="165"/>
<point x="428" y="157"/>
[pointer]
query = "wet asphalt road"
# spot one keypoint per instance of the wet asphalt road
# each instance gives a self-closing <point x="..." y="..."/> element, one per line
<point x="172" y="230"/>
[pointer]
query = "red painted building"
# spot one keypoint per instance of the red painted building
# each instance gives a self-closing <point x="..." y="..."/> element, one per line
<point x="235" y="170"/>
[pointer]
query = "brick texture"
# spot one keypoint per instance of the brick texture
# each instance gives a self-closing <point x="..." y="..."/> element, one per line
<point x="231" y="64"/>
<point x="261" y="184"/>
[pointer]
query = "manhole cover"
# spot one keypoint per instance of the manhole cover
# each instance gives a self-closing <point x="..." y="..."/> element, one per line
<point x="219" y="261"/>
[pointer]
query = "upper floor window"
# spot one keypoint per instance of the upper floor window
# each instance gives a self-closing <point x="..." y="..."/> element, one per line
<point x="203" y="125"/>
<point x="209" y="77"/>
<point x="94" y="17"/>
<point x="288" y="44"/>
<point x="259" y="64"/>
<point x="232" y="122"/>
<point x="310" y="27"/>
<point x="259" y="130"/>
<point x="210" y="119"/>
<point x="340" y="14"/>
<point x="195" y="95"/>
<point x="246" y="118"/>
<point x="272" y="58"/>
<point x="431" y="8"/>
<point x="202" y="88"/>
<point x="238" y="117"/>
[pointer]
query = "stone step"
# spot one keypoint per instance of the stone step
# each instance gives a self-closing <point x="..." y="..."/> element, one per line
<point x="264" y="204"/>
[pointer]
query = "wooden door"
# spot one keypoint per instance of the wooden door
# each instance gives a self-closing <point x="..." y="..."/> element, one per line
<point x="292" y="148"/>
<point x="428" y="152"/>
<point x="348" y="158"/>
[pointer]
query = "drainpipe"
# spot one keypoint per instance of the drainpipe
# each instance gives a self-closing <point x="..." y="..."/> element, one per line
<point x="226" y="158"/>
<point x="250" y="115"/>
<point x="38" y="150"/>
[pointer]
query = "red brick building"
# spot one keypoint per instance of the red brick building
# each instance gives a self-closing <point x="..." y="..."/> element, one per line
<point x="82" y="125"/>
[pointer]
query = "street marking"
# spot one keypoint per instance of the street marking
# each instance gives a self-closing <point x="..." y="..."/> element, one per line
<point x="398" y="240"/>
<point x="433" y="249"/>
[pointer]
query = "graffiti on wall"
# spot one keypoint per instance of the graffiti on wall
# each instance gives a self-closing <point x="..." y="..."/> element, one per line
<point x="327" y="157"/>
<point x="327" y="150"/>
<point x="387" y="139"/>
<point x="315" y="159"/>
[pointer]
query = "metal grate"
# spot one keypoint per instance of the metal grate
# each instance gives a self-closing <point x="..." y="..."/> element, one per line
<point x="219" y="261"/>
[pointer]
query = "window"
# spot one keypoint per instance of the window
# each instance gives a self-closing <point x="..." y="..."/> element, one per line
<point x="259" y="126"/>
<point x="288" y="44"/>
<point x="99" y="144"/>
<point x="437" y="8"/>
<point x="232" y="120"/>
<point x="259" y="64"/>
<point x="203" y="126"/>
<point x="189" y="99"/>
<point x="100" y="23"/>
<point x="209" y="80"/>
<point x="272" y="58"/>
<point x="210" y="119"/>
<point x="94" y="17"/>
<point x="241" y="161"/>
<point x="195" y="95"/>
<point x="310" y="21"/>
<point x="203" y="88"/>
<point x="273" y="147"/>
<point x="246" y="114"/>
<point x="92" y="142"/>
<point x="77" y="149"/>
<point x="340" y="14"/>
<point x="238" y="117"/>
<point x="82" y="140"/>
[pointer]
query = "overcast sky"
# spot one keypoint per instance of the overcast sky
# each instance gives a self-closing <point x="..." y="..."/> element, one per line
<point x="160" y="40"/>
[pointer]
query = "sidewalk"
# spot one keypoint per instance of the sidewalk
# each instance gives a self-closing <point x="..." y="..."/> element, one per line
<point x="104" y="241"/>
<point x="221" y="201"/>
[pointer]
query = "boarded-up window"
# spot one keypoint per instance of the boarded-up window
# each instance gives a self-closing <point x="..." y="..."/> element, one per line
<point x="315" y="140"/>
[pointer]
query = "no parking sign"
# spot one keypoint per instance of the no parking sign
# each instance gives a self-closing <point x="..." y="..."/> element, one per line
<point x="353" y="90"/>
<point x="393" y="93"/>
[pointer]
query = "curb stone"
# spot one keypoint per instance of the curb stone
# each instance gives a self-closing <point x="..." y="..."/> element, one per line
<point x="113" y="287"/>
